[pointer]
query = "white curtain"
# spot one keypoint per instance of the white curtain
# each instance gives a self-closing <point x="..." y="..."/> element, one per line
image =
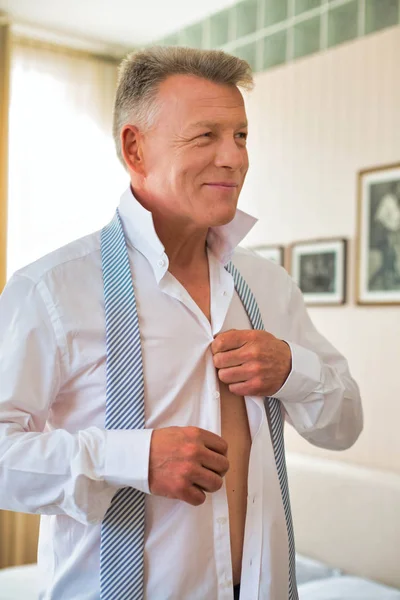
<point x="64" y="177"/>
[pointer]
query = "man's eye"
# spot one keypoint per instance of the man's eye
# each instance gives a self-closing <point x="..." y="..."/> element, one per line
<point x="242" y="135"/>
<point x="206" y="134"/>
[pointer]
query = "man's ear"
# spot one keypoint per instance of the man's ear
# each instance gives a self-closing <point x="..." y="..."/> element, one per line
<point x="132" y="148"/>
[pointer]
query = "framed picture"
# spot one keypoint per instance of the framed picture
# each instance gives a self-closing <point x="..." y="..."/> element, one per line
<point x="319" y="269"/>
<point x="378" y="264"/>
<point x="274" y="253"/>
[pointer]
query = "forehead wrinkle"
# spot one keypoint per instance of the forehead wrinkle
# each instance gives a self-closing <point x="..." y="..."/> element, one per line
<point x="212" y="109"/>
<point x="217" y="116"/>
<point x="211" y="122"/>
<point x="219" y="102"/>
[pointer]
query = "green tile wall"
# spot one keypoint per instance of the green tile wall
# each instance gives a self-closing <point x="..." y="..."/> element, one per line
<point x="274" y="12"/>
<point x="307" y="37"/>
<point x="249" y="53"/>
<point x="343" y="23"/>
<point x="219" y="28"/>
<point x="301" y="6"/>
<point x="259" y="30"/>
<point x="192" y="36"/>
<point x="246" y="17"/>
<point x="380" y="14"/>
<point x="274" y="50"/>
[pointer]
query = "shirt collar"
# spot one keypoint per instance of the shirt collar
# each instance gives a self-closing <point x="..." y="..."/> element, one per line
<point x="141" y="234"/>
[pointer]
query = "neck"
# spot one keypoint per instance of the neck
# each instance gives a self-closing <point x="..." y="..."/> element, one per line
<point x="185" y="245"/>
<point x="184" y="242"/>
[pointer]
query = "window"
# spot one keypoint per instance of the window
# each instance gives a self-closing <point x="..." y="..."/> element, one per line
<point x="64" y="176"/>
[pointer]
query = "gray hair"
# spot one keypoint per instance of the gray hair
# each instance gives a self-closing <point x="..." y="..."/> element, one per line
<point x="141" y="73"/>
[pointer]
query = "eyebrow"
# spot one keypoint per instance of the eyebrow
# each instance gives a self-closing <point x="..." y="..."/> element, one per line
<point x="212" y="124"/>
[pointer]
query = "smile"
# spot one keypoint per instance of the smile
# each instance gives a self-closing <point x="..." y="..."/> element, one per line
<point x="223" y="185"/>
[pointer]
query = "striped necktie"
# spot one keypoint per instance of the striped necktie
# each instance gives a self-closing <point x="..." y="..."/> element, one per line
<point x="275" y="420"/>
<point x="122" y="531"/>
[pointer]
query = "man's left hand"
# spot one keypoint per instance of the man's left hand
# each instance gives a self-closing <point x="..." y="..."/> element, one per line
<point x="251" y="362"/>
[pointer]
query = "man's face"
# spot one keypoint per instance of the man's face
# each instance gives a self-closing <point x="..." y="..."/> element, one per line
<point x="195" y="157"/>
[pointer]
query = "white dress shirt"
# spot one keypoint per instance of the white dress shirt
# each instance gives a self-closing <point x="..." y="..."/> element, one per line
<point x="57" y="459"/>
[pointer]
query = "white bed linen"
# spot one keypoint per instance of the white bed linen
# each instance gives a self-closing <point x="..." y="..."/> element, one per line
<point x="20" y="583"/>
<point x="308" y="569"/>
<point x="316" y="582"/>
<point x="346" y="588"/>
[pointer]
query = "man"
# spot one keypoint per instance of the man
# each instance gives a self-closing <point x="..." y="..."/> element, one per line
<point x="205" y="459"/>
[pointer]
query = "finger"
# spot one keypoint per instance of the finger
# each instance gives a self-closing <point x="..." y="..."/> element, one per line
<point x="229" y="340"/>
<point x="214" y="442"/>
<point x="234" y="375"/>
<point x="246" y="388"/>
<point x="230" y="358"/>
<point x="215" y="462"/>
<point x="207" y="480"/>
<point x="194" y="496"/>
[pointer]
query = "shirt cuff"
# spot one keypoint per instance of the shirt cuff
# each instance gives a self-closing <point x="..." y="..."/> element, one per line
<point x="304" y="378"/>
<point x="127" y="458"/>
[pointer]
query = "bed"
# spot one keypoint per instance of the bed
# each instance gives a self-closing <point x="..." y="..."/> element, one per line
<point x="347" y="525"/>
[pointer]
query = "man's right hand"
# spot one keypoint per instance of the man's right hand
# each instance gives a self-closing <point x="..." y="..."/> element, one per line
<point x="186" y="462"/>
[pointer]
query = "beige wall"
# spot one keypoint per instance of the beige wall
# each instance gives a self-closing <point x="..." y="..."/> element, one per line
<point x="313" y="125"/>
<point x="4" y="99"/>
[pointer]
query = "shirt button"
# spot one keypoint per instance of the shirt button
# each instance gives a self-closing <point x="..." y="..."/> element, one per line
<point x="217" y="395"/>
<point x="224" y="293"/>
<point x="161" y="263"/>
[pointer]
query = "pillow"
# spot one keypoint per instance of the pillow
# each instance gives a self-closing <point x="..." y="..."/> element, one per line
<point x="308" y="569"/>
<point x="346" y="588"/>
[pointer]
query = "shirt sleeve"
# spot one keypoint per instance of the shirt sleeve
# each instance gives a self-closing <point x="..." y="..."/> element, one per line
<point x="53" y="471"/>
<point x="320" y="397"/>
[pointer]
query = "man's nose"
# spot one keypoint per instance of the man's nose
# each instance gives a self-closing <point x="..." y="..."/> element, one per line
<point x="230" y="155"/>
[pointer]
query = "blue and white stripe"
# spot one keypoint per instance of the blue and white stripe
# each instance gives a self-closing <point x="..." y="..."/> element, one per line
<point x="273" y="408"/>
<point x="122" y="531"/>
